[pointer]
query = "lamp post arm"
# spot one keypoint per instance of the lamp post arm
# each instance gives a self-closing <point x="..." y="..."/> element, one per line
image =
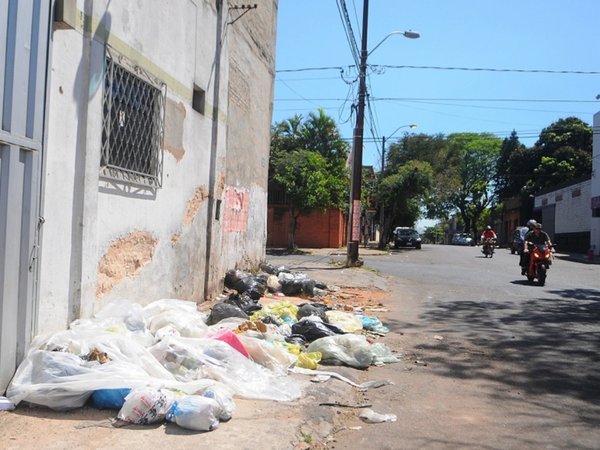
<point x="408" y="34"/>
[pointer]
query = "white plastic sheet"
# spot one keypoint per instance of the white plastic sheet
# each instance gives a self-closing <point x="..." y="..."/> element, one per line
<point x="59" y="372"/>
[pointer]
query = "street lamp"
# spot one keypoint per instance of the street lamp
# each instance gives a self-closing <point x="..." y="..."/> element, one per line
<point x="357" y="140"/>
<point x="407" y="34"/>
<point x="383" y="138"/>
<point x="381" y="206"/>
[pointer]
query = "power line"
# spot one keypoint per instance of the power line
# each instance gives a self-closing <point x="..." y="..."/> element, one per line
<point x="469" y="69"/>
<point x="489" y="69"/>
<point x="341" y="4"/>
<point x="425" y="99"/>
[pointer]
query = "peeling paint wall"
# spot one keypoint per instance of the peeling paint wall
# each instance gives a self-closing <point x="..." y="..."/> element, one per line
<point x="105" y="241"/>
<point x="125" y="258"/>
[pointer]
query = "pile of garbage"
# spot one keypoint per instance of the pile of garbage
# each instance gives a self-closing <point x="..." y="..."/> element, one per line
<point x="169" y="361"/>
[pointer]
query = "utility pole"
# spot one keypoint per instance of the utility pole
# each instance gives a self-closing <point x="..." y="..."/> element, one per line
<point x="382" y="242"/>
<point x="357" y="150"/>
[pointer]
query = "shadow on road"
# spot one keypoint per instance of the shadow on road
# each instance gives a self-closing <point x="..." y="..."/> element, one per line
<point x="541" y="346"/>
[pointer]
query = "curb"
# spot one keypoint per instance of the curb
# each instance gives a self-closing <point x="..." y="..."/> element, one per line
<point x="583" y="259"/>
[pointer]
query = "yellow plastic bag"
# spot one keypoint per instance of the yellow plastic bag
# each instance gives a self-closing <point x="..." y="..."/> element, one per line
<point x="344" y="320"/>
<point x="309" y="360"/>
<point x="283" y="310"/>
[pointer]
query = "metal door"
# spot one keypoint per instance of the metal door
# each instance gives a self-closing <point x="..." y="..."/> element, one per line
<point x="24" y="49"/>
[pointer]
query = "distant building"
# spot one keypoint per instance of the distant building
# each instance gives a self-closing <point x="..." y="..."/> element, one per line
<point x="566" y="215"/>
<point x="595" y="189"/>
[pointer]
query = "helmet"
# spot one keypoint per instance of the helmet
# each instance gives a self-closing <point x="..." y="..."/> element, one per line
<point x="538" y="225"/>
<point x="488" y="228"/>
<point x="531" y="223"/>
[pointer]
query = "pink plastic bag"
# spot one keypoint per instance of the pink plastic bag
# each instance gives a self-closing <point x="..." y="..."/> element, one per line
<point x="231" y="339"/>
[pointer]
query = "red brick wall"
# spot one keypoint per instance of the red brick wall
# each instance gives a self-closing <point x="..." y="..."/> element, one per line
<point x="317" y="230"/>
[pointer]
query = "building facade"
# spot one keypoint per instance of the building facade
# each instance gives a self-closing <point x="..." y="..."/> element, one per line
<point x="595" y="189"/>
<point x="153" y="148"/>
<point x="566" y="215"/>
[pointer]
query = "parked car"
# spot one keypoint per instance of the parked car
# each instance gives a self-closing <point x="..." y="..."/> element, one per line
<point x="462" y="239"/>
<point x="518" y="239"/>
<point x="406" y="237"/>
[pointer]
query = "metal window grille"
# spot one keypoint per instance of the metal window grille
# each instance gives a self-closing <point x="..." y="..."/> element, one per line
<point x="133" y="124"/>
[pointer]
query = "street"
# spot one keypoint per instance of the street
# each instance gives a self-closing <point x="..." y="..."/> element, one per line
<point x="490" y="361"/>
<point x="487" y="361"/>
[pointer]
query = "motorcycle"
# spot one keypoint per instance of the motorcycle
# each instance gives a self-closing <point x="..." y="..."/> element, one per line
<point x="488" y="247"/>
<point x="540" y="260"/>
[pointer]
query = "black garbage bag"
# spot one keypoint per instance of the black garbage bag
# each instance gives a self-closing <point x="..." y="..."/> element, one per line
<point x="270" y="319"/>
<point x="232" y="277"/>
<point x="291" y="287"/>
<point x="308" y="287"/>
<point x="312" y="309"/>
<point x="245" y="302"/>
<point x="320" y="285"/>
<point x="254" y="286"/>
<point x="297" y="339"/>
<point x="313" y="329"/>
<point x="224" y="310"/>
<point x="271" y="269"/>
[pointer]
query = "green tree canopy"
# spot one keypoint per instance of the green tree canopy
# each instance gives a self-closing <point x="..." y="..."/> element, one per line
<point x="402" y="193"/>
<point x="562" y="153"/>
<point x="475" y="190"/>
<point x="308" y="164"/>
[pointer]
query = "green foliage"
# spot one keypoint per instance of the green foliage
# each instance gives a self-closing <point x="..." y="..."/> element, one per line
<point x="433" y="235"/>
<point x="474" y="178"/>
<point x="562" y="153"/>
<point x="308" y="163"/>
<point x="507" y="185"/>
<point x="303" y="175"/>
<point x="403" y="192"/>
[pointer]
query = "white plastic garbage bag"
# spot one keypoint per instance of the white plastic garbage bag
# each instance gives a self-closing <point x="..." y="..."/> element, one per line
<point x="273" y="357"/>
<point x="189" y="359"/>
<point x="195" y="412"/>
<point x="350" y="349"/>
<point x="144" y="406"/>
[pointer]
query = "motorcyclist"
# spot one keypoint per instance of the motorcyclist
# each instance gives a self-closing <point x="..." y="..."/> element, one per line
<point x="535" y="237"/>
<point x="488" y="233"/>
<point x="524" y="257"/>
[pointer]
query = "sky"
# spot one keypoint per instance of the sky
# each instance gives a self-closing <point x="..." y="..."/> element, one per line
<point x="537" y="56"/>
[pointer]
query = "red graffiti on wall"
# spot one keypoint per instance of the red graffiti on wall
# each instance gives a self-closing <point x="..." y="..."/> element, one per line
<point x="235" y="215"/>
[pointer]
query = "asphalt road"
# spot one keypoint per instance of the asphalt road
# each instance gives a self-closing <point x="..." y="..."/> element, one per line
<point x="490" y="361"/>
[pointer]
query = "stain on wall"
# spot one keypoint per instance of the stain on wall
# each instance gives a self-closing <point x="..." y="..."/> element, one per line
<point x="193" y="204"/>
<point x="235" y="215"/>
<point x="125" y="258"/>
<point x="174" y="118"/>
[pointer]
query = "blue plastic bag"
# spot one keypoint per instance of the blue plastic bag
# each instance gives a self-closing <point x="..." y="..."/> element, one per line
<point x="109" y="398"/>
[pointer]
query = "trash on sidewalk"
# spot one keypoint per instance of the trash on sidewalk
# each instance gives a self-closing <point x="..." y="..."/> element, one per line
<point x="370" y="416"/>
<point x="321" y="376"/>
<point x="169" y="361"/>
<point x="345" y="405"/>
<point x="6" y="404"/>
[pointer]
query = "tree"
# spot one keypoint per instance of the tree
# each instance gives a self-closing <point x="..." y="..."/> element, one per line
<point x="308" y="164"/>
<point x="507" y="186"/>
<point x="402" y="194"/>
<point x="475" y="190"/>
<point x="562" y="153"/>
<point x="433" y="235"/>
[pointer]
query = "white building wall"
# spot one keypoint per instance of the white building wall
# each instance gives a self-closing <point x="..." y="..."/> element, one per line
<point x="595" y="185"/>
<point x="101" y="243"/>
<point x="572" y="214"/>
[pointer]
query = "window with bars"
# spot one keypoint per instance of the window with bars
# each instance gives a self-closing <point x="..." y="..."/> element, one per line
<point x="132" y="124"/>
